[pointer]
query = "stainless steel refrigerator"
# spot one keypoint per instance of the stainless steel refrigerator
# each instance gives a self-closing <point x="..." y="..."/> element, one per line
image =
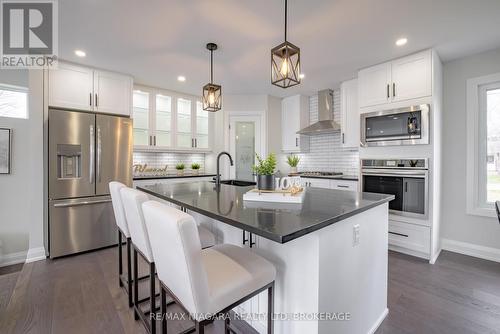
<point x="86" y="151"/>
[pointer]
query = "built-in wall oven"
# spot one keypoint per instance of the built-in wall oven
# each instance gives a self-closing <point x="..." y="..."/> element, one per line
<point x="405" y="126"/>
<point x="406" y="179"/>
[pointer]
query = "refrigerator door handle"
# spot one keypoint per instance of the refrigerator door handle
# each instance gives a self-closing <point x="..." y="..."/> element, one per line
<point x="92" y="155"/>
<point x="70" y="204"/>
<point x="99" y="151"/>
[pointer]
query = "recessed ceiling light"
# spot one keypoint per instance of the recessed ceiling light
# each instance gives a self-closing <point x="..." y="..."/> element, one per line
<point x="80" y="53"/>
<point x="401" y="41"/>
<point x="181" y="78"/>
<point x="302" y="75"/>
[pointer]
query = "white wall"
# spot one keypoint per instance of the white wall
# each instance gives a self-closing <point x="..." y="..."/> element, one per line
<point x="456" y="224"/>
<point x="21" y="192"/>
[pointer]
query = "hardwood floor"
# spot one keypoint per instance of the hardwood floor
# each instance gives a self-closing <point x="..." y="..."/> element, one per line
<point x="80" y="294"/>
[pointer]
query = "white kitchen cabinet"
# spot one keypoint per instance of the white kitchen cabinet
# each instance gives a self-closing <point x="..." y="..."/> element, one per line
<point x="112" y="93"/>
<point x="398" y="80"/>
<point x="374" y="85"/>
<point x="169" y="121"/>
<point x="410" y="238"/>
<point x="71" y="86"/>
<point x="317" y="183"/>
<point x="344" y="185"/>
<point x="294" y="117"/>
<point x="350" y="121"/>
<point x="412" y="77"/>
<point x="82" y="88"/>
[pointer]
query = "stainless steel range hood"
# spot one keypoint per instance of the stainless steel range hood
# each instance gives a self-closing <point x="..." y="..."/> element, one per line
<point x="325" y="123"/>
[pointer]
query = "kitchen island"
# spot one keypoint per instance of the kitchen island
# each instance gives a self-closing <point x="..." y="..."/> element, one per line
<point x="330" y="252"/>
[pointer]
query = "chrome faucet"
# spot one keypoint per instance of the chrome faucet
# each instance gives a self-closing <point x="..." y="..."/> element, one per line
<point x="217" y="177"/>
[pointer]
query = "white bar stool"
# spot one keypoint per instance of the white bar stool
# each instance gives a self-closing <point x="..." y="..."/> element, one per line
<point x="121" y="222"/>
<point x="206" y="281"/>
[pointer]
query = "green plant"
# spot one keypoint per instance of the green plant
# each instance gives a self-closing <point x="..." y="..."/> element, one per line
<point x="180" y="166"/>
<point x="293" y="160"/>
<point x="265" y="166"/>
<point x="195" y="166"/>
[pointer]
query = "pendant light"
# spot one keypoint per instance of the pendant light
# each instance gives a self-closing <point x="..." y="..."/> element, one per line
<point x="212" y="93"/>
<point x="285" y="62"/>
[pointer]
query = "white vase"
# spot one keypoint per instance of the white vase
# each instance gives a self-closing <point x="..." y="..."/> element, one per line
<point x="293" y="170"/>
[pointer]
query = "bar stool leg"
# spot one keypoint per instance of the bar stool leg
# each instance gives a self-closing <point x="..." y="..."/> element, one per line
<point x="227" y="329"/>
<point x="129" y="273"/>
<point x="270" y="309"/>
<point x="163" y="305"/>
<point x="152" y="298"/>
<point x="120" y="258"/>
<point x="136" y="287"/>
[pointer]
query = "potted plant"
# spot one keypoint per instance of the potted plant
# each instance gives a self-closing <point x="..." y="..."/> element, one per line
<point x="293" y="161"/>
<point x="265" y="172"/>
<point x="195" y="167"/>
<point x="180" y="169"/>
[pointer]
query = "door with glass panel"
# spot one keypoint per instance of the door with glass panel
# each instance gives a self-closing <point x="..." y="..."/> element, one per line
<point x="140" y="116"/>
<point x="244" y="137"/>
<point x="201" y="133"/>
<point x="163" y="121"/>
<point x="184" y="124"/>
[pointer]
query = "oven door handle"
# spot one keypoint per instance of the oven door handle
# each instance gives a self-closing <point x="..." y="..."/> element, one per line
<point x="422" y="174"/>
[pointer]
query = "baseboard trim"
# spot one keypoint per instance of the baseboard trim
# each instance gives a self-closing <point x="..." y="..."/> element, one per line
<point x="12" y="258"/>
<point x="435" y="257"/>
<point x="408" y="251"/>
<point x="379" y="321"/>
<point x="35" y="254"/>
<point x="482" y="252"/>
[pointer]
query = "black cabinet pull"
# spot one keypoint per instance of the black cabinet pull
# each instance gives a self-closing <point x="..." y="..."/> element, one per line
<point x="90" y="99"/>
<point x="251" y="240"/>
<point x="400" y="234"/>
<point x="388" y="93"/>
<point x="245" y="240"/>
<point x="296" y="142"/>
<point x="393" y="89"/>
<point x="343" y="138"/>
<point x="96" y="101"/>
<point x="342" y="186"/>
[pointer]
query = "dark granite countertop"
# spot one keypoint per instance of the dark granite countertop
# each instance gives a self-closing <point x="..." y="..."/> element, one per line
<point x="275" y="221"/>
<point x="170" y="176"/>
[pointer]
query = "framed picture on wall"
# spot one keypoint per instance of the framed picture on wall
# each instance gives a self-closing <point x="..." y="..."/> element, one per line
<point x="5" y="150"/>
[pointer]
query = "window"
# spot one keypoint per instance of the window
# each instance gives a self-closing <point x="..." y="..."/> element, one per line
<point x="13" y="101"/>
<point x="483" y="140"/>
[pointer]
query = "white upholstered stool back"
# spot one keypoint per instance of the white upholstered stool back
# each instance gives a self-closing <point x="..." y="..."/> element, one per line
<point x="116" y="199"/>
<point x="177" y="250"/>
<point x="132" y="203"/>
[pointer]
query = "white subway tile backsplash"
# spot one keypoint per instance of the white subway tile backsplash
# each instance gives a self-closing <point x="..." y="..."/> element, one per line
<point x="162" y="159"/>
<point x="326" y="152"/>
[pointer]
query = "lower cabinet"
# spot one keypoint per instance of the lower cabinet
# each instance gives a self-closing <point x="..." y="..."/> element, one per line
<point x="410" y="238"/>
<point x="330" y="183"/>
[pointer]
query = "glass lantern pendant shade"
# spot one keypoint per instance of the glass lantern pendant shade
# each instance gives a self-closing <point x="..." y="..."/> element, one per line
<point x="212" y="93"/>
<point x="285" y="62"/>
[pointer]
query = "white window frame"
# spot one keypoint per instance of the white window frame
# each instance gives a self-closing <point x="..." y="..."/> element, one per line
<point x="476" y="134"/>
<point x="19" y="89"/>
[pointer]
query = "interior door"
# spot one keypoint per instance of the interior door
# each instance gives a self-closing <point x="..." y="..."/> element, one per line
<point x="71" y="154"/>
<point x="113" y="151"/>
<point x="245" y="134"/>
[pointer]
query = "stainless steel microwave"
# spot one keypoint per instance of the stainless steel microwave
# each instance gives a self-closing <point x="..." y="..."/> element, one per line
<point x="405" y="126"/>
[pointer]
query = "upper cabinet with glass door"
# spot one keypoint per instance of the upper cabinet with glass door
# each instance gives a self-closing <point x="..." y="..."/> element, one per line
<point x="168" y="121"/>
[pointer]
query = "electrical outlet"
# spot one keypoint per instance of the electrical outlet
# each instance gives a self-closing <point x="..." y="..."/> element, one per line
<point x="355" y="235"/>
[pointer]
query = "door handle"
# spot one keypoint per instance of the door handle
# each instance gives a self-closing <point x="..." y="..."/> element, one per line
<point x="388" y="93"/>
<point x="342" y="186"/>
<point x="196" y="142"/>
<point x="251" y="240"/>
<point x="96" y="101"/>
<point x="343" y="138"/>
<point x="406" y="187"/>
<point x="90" y="99"/>
<point x="245" y="240"/>
<point x="67" y="205"/>
<point x="99" y="151"/>
<point x="393" y="89"/>
<point x="192" y="142"/>
<point x="92" y="155"/>
<point x="154" y="140"/>
<point x="296" y="142"/>
<point x="400" y="234"/>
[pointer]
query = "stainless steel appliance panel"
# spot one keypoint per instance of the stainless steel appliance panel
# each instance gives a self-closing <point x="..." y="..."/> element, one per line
<point x="78" y="225"/>
<point x="113" y="151"/>
<point x="71" y="154"/>
<point x="414" y="195"/>
<point x="405" y="126"/>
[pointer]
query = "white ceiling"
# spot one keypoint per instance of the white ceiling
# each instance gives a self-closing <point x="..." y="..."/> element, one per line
<point x="156" y="40"/>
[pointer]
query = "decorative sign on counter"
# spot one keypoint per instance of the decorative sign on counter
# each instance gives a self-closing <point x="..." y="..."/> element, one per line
<point x="293" y="194"/>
